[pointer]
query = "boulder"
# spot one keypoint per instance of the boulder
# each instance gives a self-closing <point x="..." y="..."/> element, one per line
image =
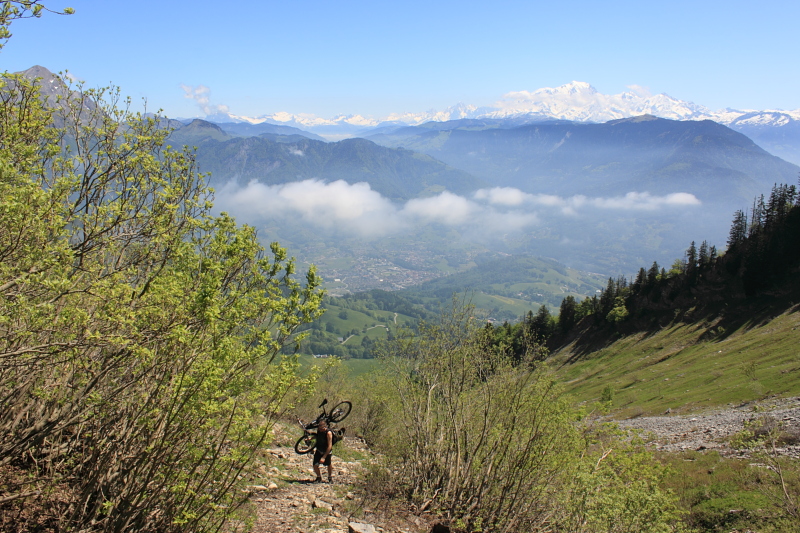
<point x="358" y="527"/>
<point x="322" y="504"/>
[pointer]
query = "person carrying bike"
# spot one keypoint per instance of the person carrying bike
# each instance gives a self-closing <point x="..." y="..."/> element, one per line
<point x="322" y="452"/>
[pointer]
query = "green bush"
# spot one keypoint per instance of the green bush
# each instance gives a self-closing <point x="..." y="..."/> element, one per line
<point x="490" y="443"/>
<point x="136" y="330"/>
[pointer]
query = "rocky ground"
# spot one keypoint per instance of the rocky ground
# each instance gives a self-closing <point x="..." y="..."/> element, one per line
<point x="288" y="501"/>
<point x="712" y="430"/>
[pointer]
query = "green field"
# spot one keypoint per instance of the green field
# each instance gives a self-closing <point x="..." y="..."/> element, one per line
<point x="355" y="367"/>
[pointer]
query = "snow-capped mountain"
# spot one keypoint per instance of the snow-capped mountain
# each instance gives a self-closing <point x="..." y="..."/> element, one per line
<point x="580" y="102"/>
<point x="345" y="125"/>
<point x="776" y="130"/>
<point x="575" y="101"/>
<point x="763" y="118"/>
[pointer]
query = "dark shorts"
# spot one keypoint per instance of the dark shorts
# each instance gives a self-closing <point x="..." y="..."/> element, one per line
<point x="318" y="455"/>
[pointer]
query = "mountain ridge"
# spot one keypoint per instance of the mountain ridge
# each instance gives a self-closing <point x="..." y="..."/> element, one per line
<point x="637" y="153"/>
<point x="395" y="173"/>
<point x="575" y="101"/>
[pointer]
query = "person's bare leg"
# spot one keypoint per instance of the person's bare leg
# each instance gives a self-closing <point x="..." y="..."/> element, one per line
<point x="317" y="472"/>
<point x="330" y="473"/>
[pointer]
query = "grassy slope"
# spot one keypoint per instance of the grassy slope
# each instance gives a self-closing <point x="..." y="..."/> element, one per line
<point x="690" y="366"/>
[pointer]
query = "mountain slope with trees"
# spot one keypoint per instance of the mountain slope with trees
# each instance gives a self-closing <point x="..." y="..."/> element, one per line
<point x="762" y="261"/>
<point x="642" y="153"/>
<point x="762" y="258"/>
<point x="397" y="174"/>
<point x="504" y="286"/>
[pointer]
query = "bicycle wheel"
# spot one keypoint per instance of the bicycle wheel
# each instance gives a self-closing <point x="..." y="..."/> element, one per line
<point x="304" y="444"/>
<point x="340" y="412"/>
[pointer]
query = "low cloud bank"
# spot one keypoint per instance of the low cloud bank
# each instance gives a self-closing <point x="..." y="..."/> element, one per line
<point x="632" y="201"/>
<point x="359" y="210"/>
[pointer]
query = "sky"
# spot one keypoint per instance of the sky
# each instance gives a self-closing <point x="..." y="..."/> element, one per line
<point x="376" y="58"/>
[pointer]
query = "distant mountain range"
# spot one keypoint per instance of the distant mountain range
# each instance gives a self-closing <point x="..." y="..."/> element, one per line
<point x="615" y="170"/>
<point x="644" y="153"/>
<point x="245" y="129"/>
<point x="777" y="131"/>
<point x="599" y="164"/>
<point x="575" y="101"/>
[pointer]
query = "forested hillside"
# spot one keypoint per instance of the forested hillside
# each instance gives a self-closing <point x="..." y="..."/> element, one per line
<point x="355" y="325"/>
<point x="763" y="256"/>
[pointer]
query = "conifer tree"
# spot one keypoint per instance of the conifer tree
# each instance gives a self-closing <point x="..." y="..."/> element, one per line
<point x="652" y="274"/>
<point x="703" y="256"/>
<point x="567" y="314"/>
<point x="607" y="297"/>
<point x="691" y="259"/>
<point x="738" y="231"/>
<point x="641" y="280"/>
<point x="540" y="325"/>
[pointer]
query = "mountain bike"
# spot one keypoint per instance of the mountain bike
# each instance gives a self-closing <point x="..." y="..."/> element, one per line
<point x="339" y="412"/>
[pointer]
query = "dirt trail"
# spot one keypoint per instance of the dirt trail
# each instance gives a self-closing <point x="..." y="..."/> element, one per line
<point x="290" y="503"/>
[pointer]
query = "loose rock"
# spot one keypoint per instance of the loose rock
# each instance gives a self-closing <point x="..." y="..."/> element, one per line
<point x="358" y="527"/>
<point x="320" y="504"/>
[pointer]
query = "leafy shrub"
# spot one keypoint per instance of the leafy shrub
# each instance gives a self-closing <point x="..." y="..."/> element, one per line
<point x="491" y="444"/>
<point x="136" y="330"/>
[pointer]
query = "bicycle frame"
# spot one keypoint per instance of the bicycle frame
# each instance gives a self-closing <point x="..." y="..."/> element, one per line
<point x="306" y="443"/>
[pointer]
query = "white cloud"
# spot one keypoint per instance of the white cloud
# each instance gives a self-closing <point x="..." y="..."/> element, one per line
<point x="632" y="201"/>
<point x="337" y="205"/>
<point x="199" y="94"/>
<point x="357" y="209"/>
<point x="645" y="201"/>
<point x="73" y="78"/>
<point x="501" y="196"/>
<point x="446" y="207"/>
<point x="202" y="96"/>
<point x="640" y="91"/>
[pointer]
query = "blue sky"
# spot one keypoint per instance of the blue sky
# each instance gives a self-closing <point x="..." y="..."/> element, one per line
<point x="377" y="57"/>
